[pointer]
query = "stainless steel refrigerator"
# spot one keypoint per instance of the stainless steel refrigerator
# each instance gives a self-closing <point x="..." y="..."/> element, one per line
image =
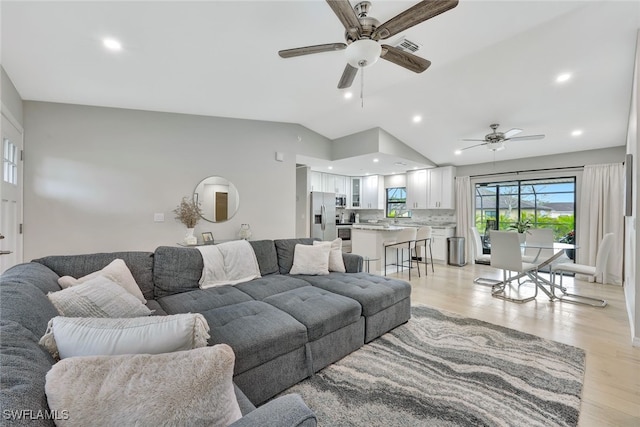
<point x="323" y="215"/>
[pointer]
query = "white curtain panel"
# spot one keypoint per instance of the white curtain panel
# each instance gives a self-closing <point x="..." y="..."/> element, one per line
<point x="601" y="212"/>
<point x="464" y="213"/>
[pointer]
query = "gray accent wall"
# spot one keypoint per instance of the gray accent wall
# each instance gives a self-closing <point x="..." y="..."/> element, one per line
<point x="94" y="177"/>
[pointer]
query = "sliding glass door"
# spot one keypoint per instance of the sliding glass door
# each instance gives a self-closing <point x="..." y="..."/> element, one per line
<point x="544" y="203"/>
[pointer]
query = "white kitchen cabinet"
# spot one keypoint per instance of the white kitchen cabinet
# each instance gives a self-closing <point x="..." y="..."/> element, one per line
<point x="441" y="185"/>
<point x="372" y="192"/>
<point x="417" y="189"/>
<point x="340" y="184"/>
<point x="355" y="201"/>
<point x="328" y="183"/>
<point x="316" y="181"/>
<point x="439" y="242"/>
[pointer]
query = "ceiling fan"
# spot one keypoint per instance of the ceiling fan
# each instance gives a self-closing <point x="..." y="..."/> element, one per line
<point x="495" y="140"/>
<point x="363" y="33"/>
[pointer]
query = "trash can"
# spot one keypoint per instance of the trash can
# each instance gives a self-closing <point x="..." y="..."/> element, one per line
<point x="455" y="251"/>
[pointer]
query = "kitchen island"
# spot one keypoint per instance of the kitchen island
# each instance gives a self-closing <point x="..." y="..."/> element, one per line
<point x="369" y="239"/>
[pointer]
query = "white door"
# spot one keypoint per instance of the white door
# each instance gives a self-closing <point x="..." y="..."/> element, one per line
<point x="10" y="196"/>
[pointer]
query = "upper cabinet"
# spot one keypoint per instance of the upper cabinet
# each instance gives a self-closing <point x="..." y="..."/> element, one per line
<point x="329" y="183"/>
<point x="441" y="188"/>
<point x="417" y="187"/>
<point x="355" y="199"/>
<point x="372" y="192"/>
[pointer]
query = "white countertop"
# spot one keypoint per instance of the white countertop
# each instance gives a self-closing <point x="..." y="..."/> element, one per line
<point x="396" y="227"/>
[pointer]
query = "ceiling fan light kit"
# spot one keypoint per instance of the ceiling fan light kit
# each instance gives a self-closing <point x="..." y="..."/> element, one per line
<point x="363" y="53"/>
<point x="363" y="33"/>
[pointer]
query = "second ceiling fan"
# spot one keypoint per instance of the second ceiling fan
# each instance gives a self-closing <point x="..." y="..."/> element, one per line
<point x="364" y="32"/>
<point x="495" y="140"/>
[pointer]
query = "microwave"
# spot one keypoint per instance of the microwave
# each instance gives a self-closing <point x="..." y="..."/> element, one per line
<point x="341" y="201"/>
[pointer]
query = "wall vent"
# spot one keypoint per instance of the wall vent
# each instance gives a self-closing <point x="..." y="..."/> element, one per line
<point x="407" y="45"/>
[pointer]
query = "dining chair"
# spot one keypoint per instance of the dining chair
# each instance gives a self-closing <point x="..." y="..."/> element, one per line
<point x="405" y="239"/>
<point x="538" y="237"/>
<point x="481" y="258"/>
<point x="423" y="241"/>
<point x="594" y="271"/>
<point x="507" y="256"/>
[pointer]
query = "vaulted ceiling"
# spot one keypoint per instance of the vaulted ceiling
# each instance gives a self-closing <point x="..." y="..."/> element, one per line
<point x="492" y="62"/>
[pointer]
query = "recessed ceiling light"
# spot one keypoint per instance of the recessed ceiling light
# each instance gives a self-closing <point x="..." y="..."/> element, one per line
<point x="576" y="132"/>
<point x="112" y="44"/>
<point x="330" y="167"/>
<point x="348" y="95"/>
<point x="417" y="119"/>
<point x="563" y="77"/>
<point x="457" y="152"/>
<point x="375" y="160"/>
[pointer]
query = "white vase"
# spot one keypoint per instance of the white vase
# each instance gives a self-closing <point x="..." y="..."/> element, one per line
<point x="245" y="232"/>
<point x="189" y="238"/>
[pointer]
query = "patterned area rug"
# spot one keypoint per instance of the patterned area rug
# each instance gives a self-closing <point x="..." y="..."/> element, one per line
<point x="441" y="369"/>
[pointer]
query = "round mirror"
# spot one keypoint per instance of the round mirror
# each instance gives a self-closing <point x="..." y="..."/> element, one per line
<point x="218" y="199"/>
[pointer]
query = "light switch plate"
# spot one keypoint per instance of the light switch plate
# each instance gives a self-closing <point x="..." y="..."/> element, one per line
<point x="158" y="217"/>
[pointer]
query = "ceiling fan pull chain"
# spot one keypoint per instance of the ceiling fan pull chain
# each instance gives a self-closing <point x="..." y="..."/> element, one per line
<point x="362" y="87"/>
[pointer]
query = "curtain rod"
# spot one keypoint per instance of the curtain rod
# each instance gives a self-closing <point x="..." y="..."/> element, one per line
<point x="526" y="171"/>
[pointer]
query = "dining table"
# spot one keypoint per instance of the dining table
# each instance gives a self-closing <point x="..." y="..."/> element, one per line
<point x="541" y="281"/>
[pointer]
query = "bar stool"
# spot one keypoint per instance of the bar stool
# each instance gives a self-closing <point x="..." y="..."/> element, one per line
<point x="423" y="240"/>
<point x="405" y="239"/>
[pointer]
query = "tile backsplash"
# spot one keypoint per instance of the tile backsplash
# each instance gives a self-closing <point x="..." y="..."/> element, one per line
<point x="418" y="215"/>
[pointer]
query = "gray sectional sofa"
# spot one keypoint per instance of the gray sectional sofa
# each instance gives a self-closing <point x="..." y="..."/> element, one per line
<point x="282" y="327"/>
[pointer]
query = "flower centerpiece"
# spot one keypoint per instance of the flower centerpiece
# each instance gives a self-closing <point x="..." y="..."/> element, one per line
<point x="188" y="212"/>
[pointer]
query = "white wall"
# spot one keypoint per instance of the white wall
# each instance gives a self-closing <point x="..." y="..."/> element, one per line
<point x="94" y="177"/>
<point x="11" y="101"/>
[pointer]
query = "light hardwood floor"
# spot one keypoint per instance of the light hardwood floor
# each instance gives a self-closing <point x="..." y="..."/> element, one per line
<point x="611" y="393"/>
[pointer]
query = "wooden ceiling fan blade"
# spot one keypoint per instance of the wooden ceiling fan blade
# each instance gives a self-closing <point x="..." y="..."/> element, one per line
<point x="347" y="15"/>
<point x="525" y="138"/>
<point x="404" y="59"/>
<point x="308" y="50"/>
<point x="512" y="132"/>
<point x="348" y="75"/>
<point x="422" y="11"/>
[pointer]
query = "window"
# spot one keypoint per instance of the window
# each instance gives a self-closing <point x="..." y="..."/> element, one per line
<point x="9" y="162"/>
<point x="546" y="203"/>
<point x="397" y="203"/>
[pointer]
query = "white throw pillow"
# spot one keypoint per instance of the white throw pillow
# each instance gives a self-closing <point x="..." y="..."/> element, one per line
<point x="311" y="259"/>
<point x="98" y="297"/>
<point x="336" y="263"/>
<point x="191" y="387"/>
<point x="93" y="336"/>
<point x="116" y="271"/>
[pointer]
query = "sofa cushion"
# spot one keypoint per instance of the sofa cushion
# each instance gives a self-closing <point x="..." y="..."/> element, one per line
<point x="200" y="300"/>
<point x="190" y="388"/>
<point x="259" y="289"/>
<point x="91" y="336"/>
<point x="321" y="311"/>
<point x="257" y="332"/>
<point x="176" y="270"/>
<point x="24" y="366"/>
<point x="98" y="297"/>
<point x="139" y="263"/>
<point x="373" y="292"/>
<point x="32" y="273"/>
<point x="26" y="305"/>
<point x="267" y="256"/>
<point x="117" y="271"/>
<point x="286" y="249"/>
